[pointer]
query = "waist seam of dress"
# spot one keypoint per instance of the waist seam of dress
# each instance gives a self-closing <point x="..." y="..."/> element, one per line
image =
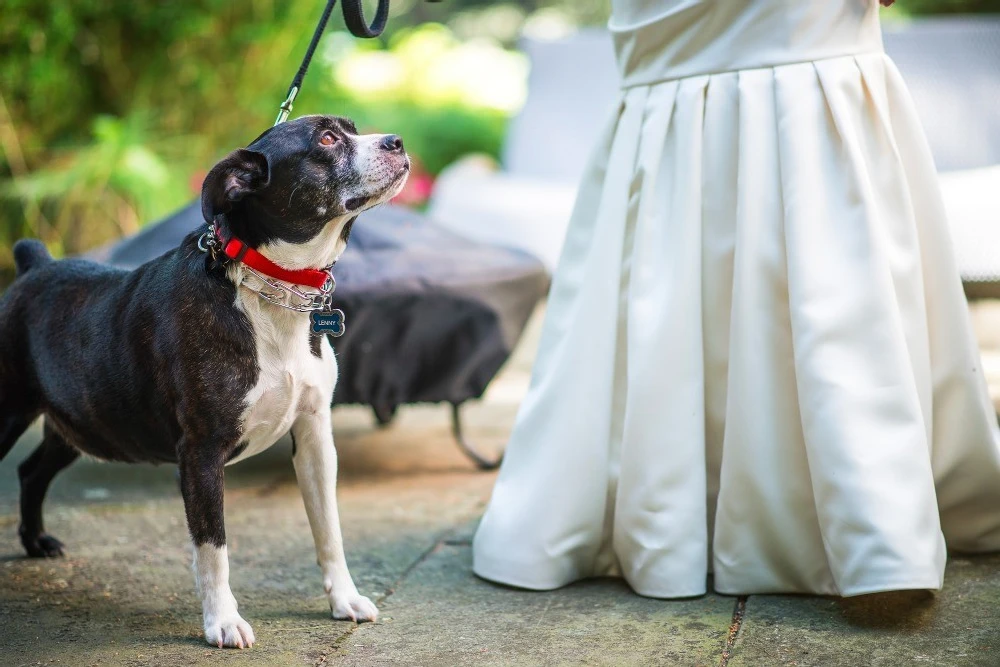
<point x="693" y="75"/>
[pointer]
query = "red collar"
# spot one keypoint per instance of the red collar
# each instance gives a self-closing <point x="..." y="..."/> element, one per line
<point x="237" y="250"/>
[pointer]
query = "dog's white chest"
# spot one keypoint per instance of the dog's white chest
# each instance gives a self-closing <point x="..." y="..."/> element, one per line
<point x="273" y="413"/>
<point x="292" y="381"/>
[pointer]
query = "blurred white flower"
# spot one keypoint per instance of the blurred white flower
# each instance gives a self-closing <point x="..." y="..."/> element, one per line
<point x="549" y="23"/>
<point x="478" y="73"/>
<point x="371" y="72"/>
<point x="429" y="64"/>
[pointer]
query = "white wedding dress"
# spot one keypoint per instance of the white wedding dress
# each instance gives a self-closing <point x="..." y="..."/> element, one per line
<point x="757" y="359"/>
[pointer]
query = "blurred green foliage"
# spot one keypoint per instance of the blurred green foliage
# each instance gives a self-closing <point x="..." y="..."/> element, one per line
<point x="108" y="108"/>
<point x="949" y="6"/>
<point x="111" y="110"/>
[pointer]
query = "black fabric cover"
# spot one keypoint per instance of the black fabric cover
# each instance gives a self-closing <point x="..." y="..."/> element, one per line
<point x="430" y="316"/>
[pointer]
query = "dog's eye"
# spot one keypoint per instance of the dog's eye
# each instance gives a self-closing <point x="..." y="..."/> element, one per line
<point x="328" y="139"/>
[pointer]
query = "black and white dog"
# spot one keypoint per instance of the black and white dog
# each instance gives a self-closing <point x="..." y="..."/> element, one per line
<point x="187" y="359"/>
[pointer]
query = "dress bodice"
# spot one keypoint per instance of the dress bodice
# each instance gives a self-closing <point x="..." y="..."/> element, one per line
<point x="657" y="40"/>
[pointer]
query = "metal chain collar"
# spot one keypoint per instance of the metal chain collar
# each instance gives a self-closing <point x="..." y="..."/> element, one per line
<point x="285" y="295"/>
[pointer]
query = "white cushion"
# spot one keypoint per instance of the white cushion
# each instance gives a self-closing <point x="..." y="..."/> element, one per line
<point x="475" y="200"/>
<point x="972" y="201"/>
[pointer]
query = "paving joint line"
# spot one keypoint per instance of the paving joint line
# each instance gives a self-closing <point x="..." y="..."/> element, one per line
<point x="739" y="611"/>
<point x="427" y="553"/>
<point x="335" y="646"/>
<point x="458" y="542"/>
<point x="438" y="544"/>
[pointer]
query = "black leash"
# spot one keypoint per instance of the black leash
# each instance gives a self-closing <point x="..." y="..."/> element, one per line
<point x="354" y="19"/>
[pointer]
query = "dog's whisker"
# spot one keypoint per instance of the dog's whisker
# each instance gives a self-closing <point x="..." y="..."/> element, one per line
<point x="293" y="194"/>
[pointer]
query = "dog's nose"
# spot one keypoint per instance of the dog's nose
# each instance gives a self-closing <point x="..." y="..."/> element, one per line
<point x="391" y="142"/>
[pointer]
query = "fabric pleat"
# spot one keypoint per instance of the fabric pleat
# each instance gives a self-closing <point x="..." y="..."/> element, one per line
<point x="757" y="360"/>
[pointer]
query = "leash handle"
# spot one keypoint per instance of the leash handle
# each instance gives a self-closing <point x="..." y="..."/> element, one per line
<point x="354" y="19"/>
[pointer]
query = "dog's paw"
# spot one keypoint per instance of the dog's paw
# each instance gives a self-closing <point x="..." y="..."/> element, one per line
<point x="353" y="607"/>
<point x="230" y="631"/>
<point x="42" y="546"/>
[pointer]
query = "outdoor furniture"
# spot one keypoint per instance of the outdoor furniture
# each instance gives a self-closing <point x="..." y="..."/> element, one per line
<point x="951" y="65"/>
<point x="431" y="317"/>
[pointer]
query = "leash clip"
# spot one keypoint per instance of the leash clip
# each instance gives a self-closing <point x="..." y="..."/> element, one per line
<point x="286" y="107"/>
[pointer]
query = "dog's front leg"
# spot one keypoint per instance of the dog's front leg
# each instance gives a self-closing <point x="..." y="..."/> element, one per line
<point x="201" y="471"/>
<point x="315" y="462"/>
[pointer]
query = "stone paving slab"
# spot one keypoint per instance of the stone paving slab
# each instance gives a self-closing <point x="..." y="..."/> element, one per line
<point x="124" y="595"/>
<point x="444" y="615"/>
<point x="953" y="628"/>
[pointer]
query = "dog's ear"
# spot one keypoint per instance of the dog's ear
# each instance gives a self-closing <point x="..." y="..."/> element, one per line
<point x="240" y="173"/>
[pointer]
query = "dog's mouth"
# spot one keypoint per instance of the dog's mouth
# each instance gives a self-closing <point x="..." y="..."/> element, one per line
<point x="355" y="203"/>
<point x="393" y="188"/>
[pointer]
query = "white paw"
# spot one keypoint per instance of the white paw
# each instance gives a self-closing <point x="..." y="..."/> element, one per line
<point x="353" y="607"/>
<point x="230" y="631"/>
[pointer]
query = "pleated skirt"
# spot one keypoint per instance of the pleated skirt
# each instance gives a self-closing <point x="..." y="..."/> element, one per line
<point x="756" y="359"/>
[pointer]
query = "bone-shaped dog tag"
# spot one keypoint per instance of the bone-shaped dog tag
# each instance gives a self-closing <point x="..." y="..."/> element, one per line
<point x="328" y="322"/>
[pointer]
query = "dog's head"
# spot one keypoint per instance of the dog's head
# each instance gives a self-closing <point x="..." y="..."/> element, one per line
<point x="301" y="178"/>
